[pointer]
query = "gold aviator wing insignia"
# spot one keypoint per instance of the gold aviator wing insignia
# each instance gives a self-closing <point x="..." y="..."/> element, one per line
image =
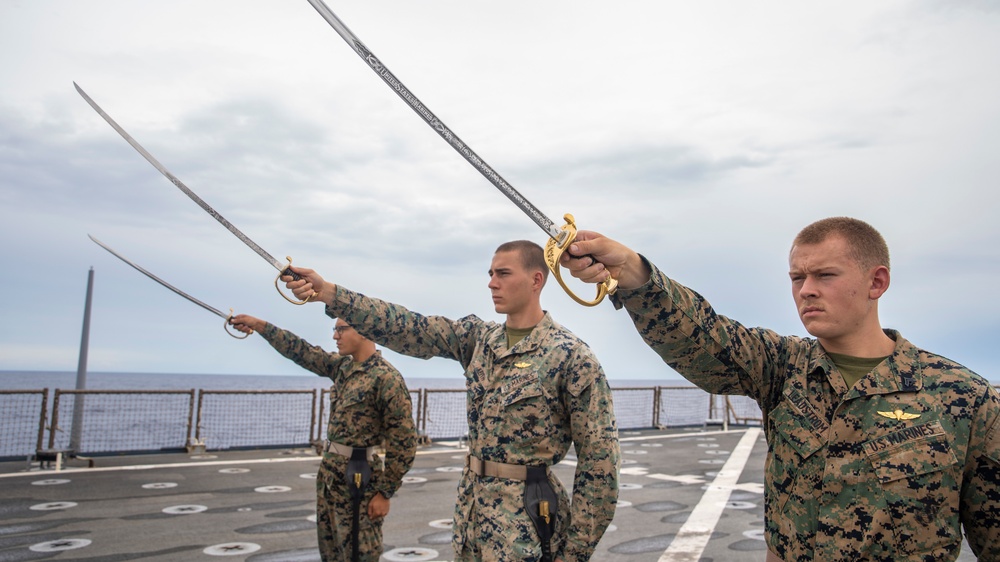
<point x="899" y="415"/>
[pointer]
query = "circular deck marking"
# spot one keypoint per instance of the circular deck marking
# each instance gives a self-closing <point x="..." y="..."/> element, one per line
<point x="410" y="554"/>
<point x="755" y="534"/>
<point x="234" y="470"/>
<point x="272" y="489"/>
<point x="719" y="452"/>
<point x="628" y="486"/>
<point x="203" y="457"/>
<point x="50" y="482"/>
<point x="740" y="505"/>
<point x="311" y="518"/>
<point x="450" y="468"/>
<point x="231" y="549"/>
<point x="624" y="503"/>
<point x="184" y="509"/>
<point x="653" y="507"/>
<point x="52" y="506"/>
<point x="243" y="509"/>
<point x="611" y="528"/>
<point x="636" y="452"/>
<point x="299" y="555"/>
<point x="746" y="545"/>
<point x="441" y="524"/>
<point x="440" y="537"/>
<point x="59" y="545"/>
<point x="307" y="476"/>
<point x="629" y="461"/>
<point x="159" y="485"/>
<point x="708" y="444"/>
<point x="712" y="461"/>
<point x="651" y="445"/>
<point x="413" y="480"/>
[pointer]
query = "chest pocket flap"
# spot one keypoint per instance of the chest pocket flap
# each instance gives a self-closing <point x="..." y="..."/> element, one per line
<point x="910" y="451"/>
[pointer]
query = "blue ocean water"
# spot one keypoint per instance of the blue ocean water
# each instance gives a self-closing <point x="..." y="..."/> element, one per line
<point x="160" y="421"/>
<point x="23" y="380"/>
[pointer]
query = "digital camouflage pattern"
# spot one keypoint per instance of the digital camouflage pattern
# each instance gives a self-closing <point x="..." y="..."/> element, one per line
<point x="526" y="405"/>
<point x="369" y="405"/>
<point x="889" y="470"/>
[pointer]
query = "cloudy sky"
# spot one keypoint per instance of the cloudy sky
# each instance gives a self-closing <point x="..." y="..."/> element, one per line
<point x="704" y="134"/>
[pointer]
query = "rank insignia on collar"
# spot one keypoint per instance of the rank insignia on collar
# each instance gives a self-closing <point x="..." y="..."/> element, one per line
<point x="899" y="415"/>
<point x="522" y="365"/>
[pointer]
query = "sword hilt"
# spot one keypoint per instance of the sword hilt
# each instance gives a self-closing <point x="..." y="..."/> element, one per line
<point x="230" y="331"/>
<point x="554" y="250"/>
<point x="295" y="277"/>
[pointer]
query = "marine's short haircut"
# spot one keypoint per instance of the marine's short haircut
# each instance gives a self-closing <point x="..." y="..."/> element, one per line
<point x="867" y="247"/>
<point x="532" y="255"/>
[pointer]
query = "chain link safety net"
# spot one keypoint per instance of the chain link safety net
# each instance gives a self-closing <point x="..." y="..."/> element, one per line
<point x="233" y="419"/>
<point x="21" y="414"/>
<point x="111" y="421"/>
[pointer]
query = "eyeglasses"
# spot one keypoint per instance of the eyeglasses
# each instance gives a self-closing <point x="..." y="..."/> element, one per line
<point x="341" y="329"/>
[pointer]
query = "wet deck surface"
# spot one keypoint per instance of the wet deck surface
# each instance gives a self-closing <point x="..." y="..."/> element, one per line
<point x="259" y="505"/>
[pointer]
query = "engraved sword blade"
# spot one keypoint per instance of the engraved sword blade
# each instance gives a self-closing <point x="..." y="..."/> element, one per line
<point x="544" y="222"/>
<point x="160" y="281"/>
<point x="180" y="185"/>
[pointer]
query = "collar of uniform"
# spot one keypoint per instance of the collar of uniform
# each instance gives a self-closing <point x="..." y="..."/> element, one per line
<point x="497" y="339"/>
<point x="900" y="372"/>
<point x="367" y="363"/>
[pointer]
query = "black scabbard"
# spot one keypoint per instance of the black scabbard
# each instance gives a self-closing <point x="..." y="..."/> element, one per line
<point x="358" y="473"/>
<point x="542" y="504"/>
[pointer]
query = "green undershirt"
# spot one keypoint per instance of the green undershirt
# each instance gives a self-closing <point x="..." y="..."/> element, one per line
<point x="515" y="335"/>
<point x="853" y="368"/>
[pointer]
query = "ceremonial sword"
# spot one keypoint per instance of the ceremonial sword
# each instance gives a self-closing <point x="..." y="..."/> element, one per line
<point x="281" y="267"/>
<point x="211" y="309"/>
<point x="559" y="238"/>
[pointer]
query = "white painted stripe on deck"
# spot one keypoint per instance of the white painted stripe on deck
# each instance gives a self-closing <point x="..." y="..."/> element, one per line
<point x="691" y="540"/>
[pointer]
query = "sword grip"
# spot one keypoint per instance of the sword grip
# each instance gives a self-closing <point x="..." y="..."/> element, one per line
<point x="295" y="277"/>
<point x="226" y="326"/>
<point x="554" y="250"/>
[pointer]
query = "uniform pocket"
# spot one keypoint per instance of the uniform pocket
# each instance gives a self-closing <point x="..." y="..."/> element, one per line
<point x="918" y="472"/>
<point x="796" y="440"/>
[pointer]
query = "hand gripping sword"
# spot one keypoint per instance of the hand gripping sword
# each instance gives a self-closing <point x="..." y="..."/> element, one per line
<point x="281" y="267"/>
<point x="211" y="309"/>
<point x="559" y="238"/>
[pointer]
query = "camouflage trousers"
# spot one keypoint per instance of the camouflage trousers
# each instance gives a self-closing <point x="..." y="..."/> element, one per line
<point x="335" y="518"/>
<point x="491" y="524"/>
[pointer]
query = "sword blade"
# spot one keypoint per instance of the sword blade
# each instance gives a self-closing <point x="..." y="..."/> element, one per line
<point x="544" y="222"/>
<point x="180" y="185"/>
<point x="211" y="309"/>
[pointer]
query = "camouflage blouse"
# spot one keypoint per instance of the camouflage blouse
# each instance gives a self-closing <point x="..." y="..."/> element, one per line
<point x="369" y="403"/>
<point x="526" y="405"/>
<point x="891" y="469"/>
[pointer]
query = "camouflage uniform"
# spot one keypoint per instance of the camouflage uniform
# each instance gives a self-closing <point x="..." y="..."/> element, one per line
<point x="369" y="402"/>
<point x="848" y="476"/>
<point x="526" y="406"/>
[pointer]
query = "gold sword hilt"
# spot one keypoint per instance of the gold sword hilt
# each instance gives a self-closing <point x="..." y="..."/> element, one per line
<point x="232" y="332"/>
<point x="554" y="250"/>
<point x="543" y="510"/>
<point x="295" y="277"/>
<point x="357" y="479"/>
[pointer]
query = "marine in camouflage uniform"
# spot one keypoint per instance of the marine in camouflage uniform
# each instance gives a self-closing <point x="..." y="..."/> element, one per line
<point x="369" y="405"/>
<point x="527" y="404"/>
<point x="889" y="469"/>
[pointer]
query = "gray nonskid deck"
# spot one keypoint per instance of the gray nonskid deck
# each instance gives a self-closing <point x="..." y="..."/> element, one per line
<point x="260" y="505"/>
